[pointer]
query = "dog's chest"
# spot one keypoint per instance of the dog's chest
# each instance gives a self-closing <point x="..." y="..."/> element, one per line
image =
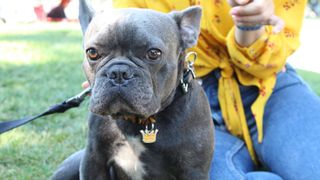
<point x="128" y="158"/>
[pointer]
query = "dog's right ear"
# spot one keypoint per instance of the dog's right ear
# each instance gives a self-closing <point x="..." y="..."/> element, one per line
<point x="86" y="14"/>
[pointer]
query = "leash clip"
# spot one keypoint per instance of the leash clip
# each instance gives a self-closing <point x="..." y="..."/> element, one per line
<point x="79" y="97"/>
<point x="184" y="86"/>
<point x="185" y="80"/>
<point x="191" y="63"/>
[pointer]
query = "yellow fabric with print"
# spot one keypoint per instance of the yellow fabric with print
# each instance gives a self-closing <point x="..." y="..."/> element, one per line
<point x="256" y="65"/>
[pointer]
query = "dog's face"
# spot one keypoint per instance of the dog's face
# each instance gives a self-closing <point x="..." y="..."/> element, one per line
<point x="132" y="57"/>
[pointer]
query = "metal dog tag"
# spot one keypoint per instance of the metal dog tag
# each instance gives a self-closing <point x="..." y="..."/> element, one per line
<point x="149" y="136"/>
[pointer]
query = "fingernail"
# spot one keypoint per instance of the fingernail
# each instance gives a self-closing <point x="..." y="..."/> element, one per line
<point x="233" y="11"/>
<point x="236" y="18"/>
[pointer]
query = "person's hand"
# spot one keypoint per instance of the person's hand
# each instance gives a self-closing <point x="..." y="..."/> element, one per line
<point x="85" y="85"/>
<point x="255" y="12"/>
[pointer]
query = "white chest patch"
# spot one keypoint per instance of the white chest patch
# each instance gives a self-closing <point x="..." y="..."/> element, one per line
<point x="128" y="158"/>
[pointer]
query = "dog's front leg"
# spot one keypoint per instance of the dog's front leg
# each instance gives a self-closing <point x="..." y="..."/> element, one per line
<point x="104" y="136"/>
<point x="92" y="168"/>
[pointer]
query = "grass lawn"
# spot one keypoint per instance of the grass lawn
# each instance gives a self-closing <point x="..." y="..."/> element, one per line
<point x="40" y="64"/>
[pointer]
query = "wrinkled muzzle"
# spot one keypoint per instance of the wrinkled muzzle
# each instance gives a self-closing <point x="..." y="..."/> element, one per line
<point x="122" y="88"/>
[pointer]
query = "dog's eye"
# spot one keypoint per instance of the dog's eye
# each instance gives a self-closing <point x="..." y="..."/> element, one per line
<point x="92" y="54"/>
<point x="154" y="54"/>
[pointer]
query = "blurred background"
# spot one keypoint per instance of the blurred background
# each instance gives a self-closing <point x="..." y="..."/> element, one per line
<point x="40" y="65"/>
<point x="27" y="11"/>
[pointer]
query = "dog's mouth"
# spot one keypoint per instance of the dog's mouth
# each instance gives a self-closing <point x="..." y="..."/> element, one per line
<point x="135" y="118"/>
<point x="123" y="105"/>
<point x="134" y="99"/>
<point x="114" y="106"/>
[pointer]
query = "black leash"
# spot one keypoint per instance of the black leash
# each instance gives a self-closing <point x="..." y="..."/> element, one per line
<point x="58" y="108"/>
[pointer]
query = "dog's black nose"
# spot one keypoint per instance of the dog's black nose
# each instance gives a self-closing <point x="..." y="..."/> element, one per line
<point x="119" y="73"/>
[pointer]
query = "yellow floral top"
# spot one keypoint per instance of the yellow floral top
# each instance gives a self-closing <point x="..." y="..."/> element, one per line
<point x="255" y="65"/>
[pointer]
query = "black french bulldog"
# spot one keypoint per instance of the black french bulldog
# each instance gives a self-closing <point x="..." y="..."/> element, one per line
<point x="142" y="124"/>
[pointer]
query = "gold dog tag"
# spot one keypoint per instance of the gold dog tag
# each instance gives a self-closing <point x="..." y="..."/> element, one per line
<point x="149" y="136"/>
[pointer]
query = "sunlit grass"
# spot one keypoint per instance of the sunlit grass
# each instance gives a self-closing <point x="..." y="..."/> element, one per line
<point x="40" y="65"/>
<point x="312" y="79"/>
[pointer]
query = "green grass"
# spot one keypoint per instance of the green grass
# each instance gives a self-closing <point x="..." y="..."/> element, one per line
<point x="313" y="80"/>
<point x="40" y="64"/>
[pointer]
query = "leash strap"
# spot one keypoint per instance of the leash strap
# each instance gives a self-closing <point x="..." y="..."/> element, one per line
<point x="57" y="108"/>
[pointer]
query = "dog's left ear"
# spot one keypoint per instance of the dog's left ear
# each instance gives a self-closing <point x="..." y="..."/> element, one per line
<point x="86" y="14"/>
<point x="188" y="21"/>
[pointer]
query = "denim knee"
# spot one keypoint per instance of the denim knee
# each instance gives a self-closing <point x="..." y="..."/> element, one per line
<point x="231" y="158"/>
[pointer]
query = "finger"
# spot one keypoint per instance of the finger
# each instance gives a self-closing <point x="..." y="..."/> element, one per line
<point x="242" y="2"/>
<point x="247" y="10"/>
<point x="256" y="19"/>
<point x="243" y="24"/>
<point x="262" y="18"/>
<point x="232" y="3"/>
<point x="85" y="85"/>
<point x="277" y="23"/>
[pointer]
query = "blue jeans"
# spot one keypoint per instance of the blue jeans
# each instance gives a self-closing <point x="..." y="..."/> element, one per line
<point x="291" y="145"/>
